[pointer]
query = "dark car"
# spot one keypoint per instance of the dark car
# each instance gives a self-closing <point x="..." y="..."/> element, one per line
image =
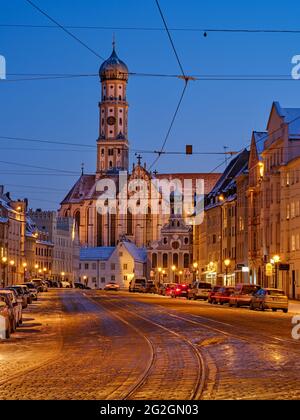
<point x="243" y="294"/>
<point x="180" y="290"/>
<point x="21" y="294"/>
<point x="150" y="287"/>
<point x="33" y="290"/>
<point x="212" y="293"/>
<point x="223" y="295"/>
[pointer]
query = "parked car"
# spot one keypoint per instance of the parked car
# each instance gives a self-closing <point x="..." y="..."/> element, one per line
<point x="223" y="295"/>
<point x="274" y="299"/>
<point x="26" y="292"/>
<point x="5" y="326"/>
<point x="113" y="287"/>
<point x="180" y="290"/>
<point x="4" y="294"/>
<point x="40" y="284"/>
<point x="17" y="304"/>
<point x="212" y="293"/>
<point x="242" y="295"/>
<point x="150" y="287"/>
<point x="165" y="289"/>
<point x="66" y="285"/>
<point x="33" y="290"/>
<point x="199" y="290"/>
<point x="21" y="294"/>
<point x="138" y="285"/>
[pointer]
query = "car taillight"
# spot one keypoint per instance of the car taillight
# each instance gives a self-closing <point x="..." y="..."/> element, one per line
<point x="178" y="290"/>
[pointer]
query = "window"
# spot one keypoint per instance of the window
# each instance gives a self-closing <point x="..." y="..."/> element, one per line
<point x="165" y="260"/>
<point x="113" y="267"/>
<point x="94" y="266"/>
<point x="293" y="243"/>
<point x="125" y="266"/>
<point x="86" y="266"/>
<point x="94" y="280"/>
<point x="154" y="260"/>
<point x="186" y="262"/>
<point x="102" y="280"/>
<point x="102" y="266"/>
<point x="79" y="266"/>
<point x="113" y="278"/>
<point x="288" y="214"/>
<point x="175" y="260"/>
<point x="165" y="241"/>
<point x="186" y="241"/>
<point x="293" y="210"/>
<point x="125" y="278"/>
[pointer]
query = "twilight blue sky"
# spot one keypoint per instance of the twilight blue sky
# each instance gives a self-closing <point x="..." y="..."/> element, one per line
<point x="214" y="113"/>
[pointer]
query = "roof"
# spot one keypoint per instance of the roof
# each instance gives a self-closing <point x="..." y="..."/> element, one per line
<point x="259" y="138"/>
<point x="96" y="254"/>
<point x="84" y="188"/>
<point x="138" y="254"/>
<point x="290" y="116"/>
<point x="210" y="179"/>
<point x="113" y="68"/>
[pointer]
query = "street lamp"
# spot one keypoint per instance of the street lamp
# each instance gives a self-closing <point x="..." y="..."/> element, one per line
<point x="195" y="269"/>
<point x="45" y="271"/>
<point x="173" y="269"/>
<point x="276" y="261"/>
<point x="12" y="264"/>
<point x="25" y="269"/>
<point x="227" y="265"/>
<point x="85" y="280"/>
<point x="36" y="269"/>
<point x="159" y="275"/>
<point x="4" y="264"/>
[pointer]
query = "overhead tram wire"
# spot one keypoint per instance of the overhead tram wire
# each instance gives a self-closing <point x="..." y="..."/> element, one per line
<point x="64" y="29"/>
<point x="184" y="77"/>
<point x="156" y="29"/>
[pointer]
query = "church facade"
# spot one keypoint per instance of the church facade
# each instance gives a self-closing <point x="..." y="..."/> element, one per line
<point x="97" y="228"/>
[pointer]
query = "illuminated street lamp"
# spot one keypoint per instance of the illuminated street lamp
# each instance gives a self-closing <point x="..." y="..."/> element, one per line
<point x="174" y="269"/>
<point x="25" y="269"/>
<point x="195" y="269"/>
<point x="85" y="280"/>
<point x="36" y="269"/>
<point x="159" y="275"/>
<point x="45" y="271"/>
<point x="12" y="264"/>
<point x="275" y="262"/>
<point x="4" y="264"/>
<point x="227" y="265"/>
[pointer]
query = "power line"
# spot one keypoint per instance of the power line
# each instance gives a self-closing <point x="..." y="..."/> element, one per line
<point x="171" y="125"/>
<point x="158" y="29"/>
<point x="64" y="29"/>
<point x="170" y="37"/>
<point x="37" y="167"/>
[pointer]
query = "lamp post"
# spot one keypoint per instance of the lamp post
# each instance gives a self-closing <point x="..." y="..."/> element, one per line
<point x="45" y="271"/>
<point x="36" y="269"/>
<point x="180" y="274"/>
<point x="227" y="265"/>
<point x="25" y="269"/>
<point x="276" y="261"/>
<point x="173" y="269"/>
<point x="12" y="265"/>
<point x="85" y="280"/>
<point x="195" y="269"/>
<point x="160" y="270"/>
<point x="4" y="264"/>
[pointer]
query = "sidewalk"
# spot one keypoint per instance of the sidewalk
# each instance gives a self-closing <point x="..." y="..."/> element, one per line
<point x="294" y="307"/>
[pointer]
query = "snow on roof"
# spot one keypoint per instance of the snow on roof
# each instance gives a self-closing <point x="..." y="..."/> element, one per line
<point x="3" y="219"/>
<point x="260" y="138"/>
<point x="291" y="116"/>
<point x="96" y="254"/>
<point x="138" y="254"/>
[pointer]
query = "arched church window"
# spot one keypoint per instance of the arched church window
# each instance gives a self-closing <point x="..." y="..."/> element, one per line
<point x="119" y="151"/>
<point x="154" y="260"/>
<point x="121" y="121"/>
<point x="186" y="261"/>
<point x="165" y="260"/>
<point x="110" y="164"/>
<point x="77" y="221"/>
<point x="129" y="223"/>
<point x="103" y="152"/>
<point x="176" y="260"/>
<point x="120" y="98"/>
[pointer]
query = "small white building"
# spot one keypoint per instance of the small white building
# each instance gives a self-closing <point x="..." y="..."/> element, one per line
<point x="120" y="264"/>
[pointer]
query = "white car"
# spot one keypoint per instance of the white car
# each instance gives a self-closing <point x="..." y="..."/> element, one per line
<point x="5" y="326"/>
<point x="65" y="285"/>
<point x="16" y="305"/>
<point x="114" y="287"/>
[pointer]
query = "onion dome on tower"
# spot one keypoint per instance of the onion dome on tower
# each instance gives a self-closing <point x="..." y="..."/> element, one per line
<point x="113" y="68"/>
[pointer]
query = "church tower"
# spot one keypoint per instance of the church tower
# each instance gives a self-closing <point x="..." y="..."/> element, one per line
<point x="112" y="144"/>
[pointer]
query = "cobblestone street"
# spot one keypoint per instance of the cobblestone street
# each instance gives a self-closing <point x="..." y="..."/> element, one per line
<point x="97" y="345"/>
